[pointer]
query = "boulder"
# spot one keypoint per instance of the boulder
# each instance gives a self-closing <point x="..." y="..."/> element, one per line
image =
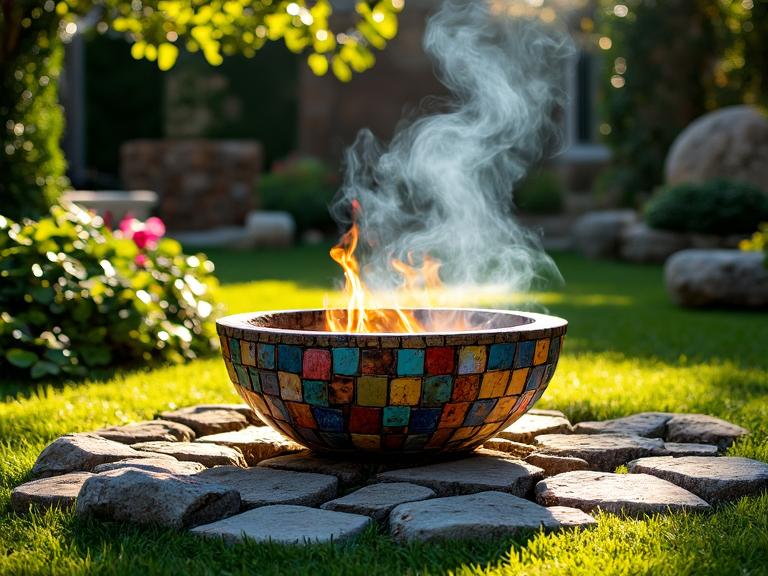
<point x="599" y="234"/>
<point x="640" y="243"/>
<point x="717" y="278"/>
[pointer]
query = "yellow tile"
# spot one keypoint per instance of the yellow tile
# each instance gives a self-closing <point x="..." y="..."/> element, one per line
<point x="502" y="410"/>
<point x="494" y="384"/>
<point x="231" y="371"/>
<point x="405" y="391"/>
<point x="472" y="359"/>
<point x="367" y="441"/>
<point x="517" y="382"/>
<point x="372" y="391"/>
<point x="542" y="351"/>
<point x="462" y="433"/>
<point x="489" y="429"/>
<point x="248" y="353"/>
<point x="290" y="386"/>
<point x="224" y="345"/>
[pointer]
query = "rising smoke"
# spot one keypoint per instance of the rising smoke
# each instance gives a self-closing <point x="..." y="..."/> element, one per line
<point x="443" y="186"/>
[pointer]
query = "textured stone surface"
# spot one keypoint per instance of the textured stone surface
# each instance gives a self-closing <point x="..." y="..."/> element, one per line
<point x="241" y="408"/>
<point x="602" y="451"/>
<point x="263" y="486"/>
<point x="678" y="449"/>
<point x="81" y="453"/>
<point x="703" y="429"/>
<point x="715" y="479"/>
<point x="378" y="500"/>
<point x="208" y="419"/>
<point x="57" y="491"/>
<point x="598" y="234"/>
<point x="544" y="412"/>
<point x="167" y="464"/>
<point x="553" y="465"/>
<point x="529" y="426"/>
<point x="640" y="243"/>
<point x="478" y="473"/>
<point x="649" y="424"/>
<point x="287" y="525"/>
<point x="132" y="495"/>
<point x="475" y="516"/>
<point x="202" y="452"/>
<point x="149" y="431"/>
<point x="257" y="443"/>
<point x="628" y="494"/>
<point x="571" y="517"/>
<point x="517" y="449"/>
<point x="717" y="278"/>
<point x="348" y="472"/>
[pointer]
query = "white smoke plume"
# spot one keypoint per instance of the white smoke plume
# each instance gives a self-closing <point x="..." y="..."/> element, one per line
<point x="443" y="185"/>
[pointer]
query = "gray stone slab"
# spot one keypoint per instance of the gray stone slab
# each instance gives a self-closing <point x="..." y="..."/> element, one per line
<point x="54" y="492"/>
<point x="263" y="486"/>
<point x="703" y="429"/>
<point x="349" y="473"/>
<point x="378" y="500"/>
<point x="678" y="449"/>
<point x="257" y="443"/>
<point x="627" y="494"/>
<point x="476" y="516"/>
<point x="553" y="465"/>
<point x="478" y="473"/>
<point x="531" y="425"/>
<point x="81" y="453"/>
<point x="241" y="408"/>
<point x="543" y="412"/>
<point x="131" y="495"/>
<point x="202" y="452"/>
<point x="715" y="479"/>
<point x="517" y="449"/>
<point x="149" y="431"/>
<point x="648" y="424"/>
<point x="602" y="451"/>
<point x="572" y="517"/>
<point x="166" y="464"/>
<point x="206" y="419"/>
<point x="287" y="525"/>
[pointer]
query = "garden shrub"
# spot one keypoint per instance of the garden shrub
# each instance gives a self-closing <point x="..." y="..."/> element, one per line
<point x="714" y="207"/>
<point x="76" y="297"/>
<point x="758" y="242"/>
<point x="540" y="193"/>
<point x="302" y="186"/>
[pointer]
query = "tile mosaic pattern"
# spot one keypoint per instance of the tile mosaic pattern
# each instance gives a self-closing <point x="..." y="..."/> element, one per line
<point x="376" y="397"/>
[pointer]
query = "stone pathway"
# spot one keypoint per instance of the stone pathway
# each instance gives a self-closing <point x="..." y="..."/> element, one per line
<point x="217" y="469"/>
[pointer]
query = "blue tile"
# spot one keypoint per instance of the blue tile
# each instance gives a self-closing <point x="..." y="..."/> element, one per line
<point x="265" y="356"/>
<point x="346" y="361"/>
<point x="309" y="435"/>
<point x="269" y="383"/>
<point x="410" y="362"/>
<point x="289" y="358"/>
<point x="255" y="382"/>
<point x="396" y="416"/>
<point x="534" y="378"/>
<point x="316" y="392"/>
<point x="234" y="350"/>
<point x="436" y="390"/>
<point x="424" y="420"/>
<point x="242" y="376"/>
<point x="328" y="419"/>
<point x="525" y="351"/>
<point x="479" y="411"/>
<point x="554" y="350"/>
<point x="500" y="356"/>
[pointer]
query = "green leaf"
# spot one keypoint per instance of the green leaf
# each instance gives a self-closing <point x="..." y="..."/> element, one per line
<point x="43" y="367"/>
<point x="20" y="358"/>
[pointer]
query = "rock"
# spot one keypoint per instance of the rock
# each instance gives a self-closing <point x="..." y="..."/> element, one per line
<point x="270" y="228"/>
<point x="81" y="453"/>
<point x="202" y="452"/>
<point x="517" y="449"/>
<point x="648" y="424"/>
<point x="166" y="464"/>
<point x="598" y="234"/>
<point x="529" y="426"/>
<point x="287" y="525"/>
<point x="476" y="516"/>
<point x="348" y="473"/>
<point x="131" y="495"/>
<point x="149" y="431"/>
<point x="553" y="465"/>
<point x="703" y="429"/>
<point x="206" y="420"/>
<point x="602" y="451"/>
<point x="730" y="143"/>
<point x="378" y="500"/>
<point x="542" y="412"/>
<point x="257" y="443"/>
<point x="627" y="494"/>
<point x="56" y="492"/>
<point x="715" y="479"/>
<point x="477" y="473"/>
<point x="717" y="278"/>
<point x="571" y="517"/>
<point x="263" y="486"/>
<point x="678" y="449"/>
<point x="243" y="409"/>
<point x="640" y="243"/>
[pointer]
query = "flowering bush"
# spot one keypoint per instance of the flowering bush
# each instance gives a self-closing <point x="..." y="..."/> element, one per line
<point x="76" y="297"/>
<point x="758" y="242"/>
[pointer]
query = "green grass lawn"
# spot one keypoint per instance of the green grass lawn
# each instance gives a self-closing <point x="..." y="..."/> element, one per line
<point x="628" y="350"/>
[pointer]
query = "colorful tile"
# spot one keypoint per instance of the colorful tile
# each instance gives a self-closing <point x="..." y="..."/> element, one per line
<point x="269" y="383"/>
<point x="346" y="361"/>
<point x="472" y="359"/>
<point x="309" y="436"/>
<point x="396" y="416"/>
<point x="501" y="356"/>
<point x="301" y="414"/>
<point x="265" y="356"/>
<point x="410" y="362"/>
<point x="525" y="352"/>
<point x="517" y="382"/>
<point x="405" y="391"/>
<point x="478" y="412"/>
<point x="367" y="441"/>
<point x="248" y="353"/>
<point x="502" y="410"/>
<point x="289" y="358"/>
<point x="378" y="362"/>
<point x="541" y="353"/>
<point x="489" y="429"/>
<point x="328" y="419"/>
<point x="466" y="388"/>
<point x="463" y="433"/>
<point x="242" y="376"/>
<point x="224" y="347"/>
<point x="453" y="414"/>
<point x="494" y="384"/>
<point x="554" y="349"/>
<point x="316" y="392"/>
<point x="416" y="441"/>
<point x="290" y="386"/>
<point x="317" y="364"/>
<point x="231" y="371"/>
<point x="424" y="420"/>
<point x="365" y="420"/>
<point x="439" y="438"/>
<point x="439" y="360"/>
<point x="337" y="441"/>
<point x="234" y="350"/>
<point x="341" y="390"/>
<point x="372" y="391"/>
<point x="437" y="390"/>
<point x="255" y="382"/>
<point x="277" y="408"/>
<point x="256" y="401"/>
<point x="534" y="380"/>
<point x="393" y="441"/>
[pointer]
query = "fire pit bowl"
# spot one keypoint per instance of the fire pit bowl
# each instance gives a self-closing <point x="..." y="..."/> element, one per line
<point x="438" y="391"/>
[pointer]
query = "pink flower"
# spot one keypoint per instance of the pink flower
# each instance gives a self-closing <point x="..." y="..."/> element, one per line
<point x="144" y="234"/>
<point x="155" y="227"/>
<point x="141" y="260"/>
<point x="142" y="239"/>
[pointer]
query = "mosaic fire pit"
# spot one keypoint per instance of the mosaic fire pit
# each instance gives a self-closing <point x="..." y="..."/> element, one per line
<point x="391" y="393"/>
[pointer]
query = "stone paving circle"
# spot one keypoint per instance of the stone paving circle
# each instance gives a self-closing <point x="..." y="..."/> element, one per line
<point x="217" y="470"/>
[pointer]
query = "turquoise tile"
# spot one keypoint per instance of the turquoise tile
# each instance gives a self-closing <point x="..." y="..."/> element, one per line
<point x="289" y="358"/>
<point x="316" y="392"/>
<point x="500" y="356"/>
<point x="410" y="362"/>
<point x="265" y="356"/>
<point x="346" y="361"/>
<point x="396" y="416"/>
<point x="436" y="390"/>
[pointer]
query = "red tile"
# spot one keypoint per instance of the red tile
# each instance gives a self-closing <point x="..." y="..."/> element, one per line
<point x="439" y="360"/>
<point x="365" y="420"/>
<point x="317" y="364"/>
<point x="466" y="388"/>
